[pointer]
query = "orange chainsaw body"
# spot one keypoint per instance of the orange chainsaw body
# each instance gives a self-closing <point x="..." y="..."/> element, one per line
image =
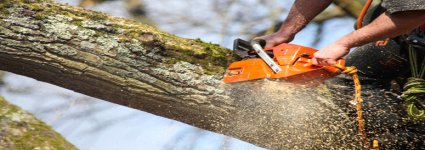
<point x="294" y="60"/>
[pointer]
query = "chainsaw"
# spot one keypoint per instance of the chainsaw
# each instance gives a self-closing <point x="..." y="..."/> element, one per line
<point x="288" y="62"/>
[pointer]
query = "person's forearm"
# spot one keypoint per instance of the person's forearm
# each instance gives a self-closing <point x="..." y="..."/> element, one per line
<point x="385" y="26"/>
<point x="301" y="13"/>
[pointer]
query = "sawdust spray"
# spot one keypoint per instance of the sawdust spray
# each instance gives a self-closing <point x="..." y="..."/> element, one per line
<point x="286" y="116"/>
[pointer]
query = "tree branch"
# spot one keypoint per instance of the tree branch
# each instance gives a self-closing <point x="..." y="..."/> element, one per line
<point x="21" y="130"/>
<point x="137" y="66"/>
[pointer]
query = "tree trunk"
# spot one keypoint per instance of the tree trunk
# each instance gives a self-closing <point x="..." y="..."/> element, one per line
<point x="21" y="130"/>
<point x="137" y="66"/>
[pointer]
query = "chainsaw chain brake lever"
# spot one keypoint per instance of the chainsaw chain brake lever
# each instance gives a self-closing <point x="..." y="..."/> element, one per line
<point x="244" y="50"/>
<point x="258" y="45"/>
<point x="241" y="45"/>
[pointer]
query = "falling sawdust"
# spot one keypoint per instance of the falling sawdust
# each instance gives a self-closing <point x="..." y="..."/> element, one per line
<point x="286" y="116"/>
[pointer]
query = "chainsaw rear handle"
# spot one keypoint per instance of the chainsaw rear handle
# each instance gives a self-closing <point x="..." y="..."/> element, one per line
<point x="332" y="68"/>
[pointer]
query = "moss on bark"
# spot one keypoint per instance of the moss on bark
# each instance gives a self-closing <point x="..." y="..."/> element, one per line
<point x="22" y="131"/>
<point x="210" y="56"/>
<point x="138" y="66"/>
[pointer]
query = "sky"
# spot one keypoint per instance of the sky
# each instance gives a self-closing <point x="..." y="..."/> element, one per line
<point x="93" y="124"/>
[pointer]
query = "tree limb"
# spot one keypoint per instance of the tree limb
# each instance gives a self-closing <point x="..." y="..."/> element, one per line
<point x="137" y="66"/>
<point x="21" y="130"/>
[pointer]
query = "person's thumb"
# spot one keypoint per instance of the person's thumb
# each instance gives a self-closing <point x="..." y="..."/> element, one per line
<point x="314" y="61"/>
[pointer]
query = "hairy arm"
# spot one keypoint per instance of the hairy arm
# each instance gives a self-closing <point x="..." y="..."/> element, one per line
<point x="301" y="13"/>
<point x="385" y="26"/>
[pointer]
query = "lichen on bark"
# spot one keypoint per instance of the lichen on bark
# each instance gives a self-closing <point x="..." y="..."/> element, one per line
<point x="103" y="55"/>
<point x="22" y="131"/>
<point x="138" y="66"/>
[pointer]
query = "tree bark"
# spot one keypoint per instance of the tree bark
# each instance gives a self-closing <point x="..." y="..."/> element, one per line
<point x="21" y="130"/>
<point x="137" y="66"/>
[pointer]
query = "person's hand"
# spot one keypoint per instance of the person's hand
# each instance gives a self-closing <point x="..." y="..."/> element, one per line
<point x="330" y="54"/>
<point x="276" y="39"/>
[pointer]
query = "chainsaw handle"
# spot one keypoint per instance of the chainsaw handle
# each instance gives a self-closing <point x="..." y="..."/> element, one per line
<point x="340" y="62"/>
<point x="331" y="69"/>
<point x="334" y="69"/>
